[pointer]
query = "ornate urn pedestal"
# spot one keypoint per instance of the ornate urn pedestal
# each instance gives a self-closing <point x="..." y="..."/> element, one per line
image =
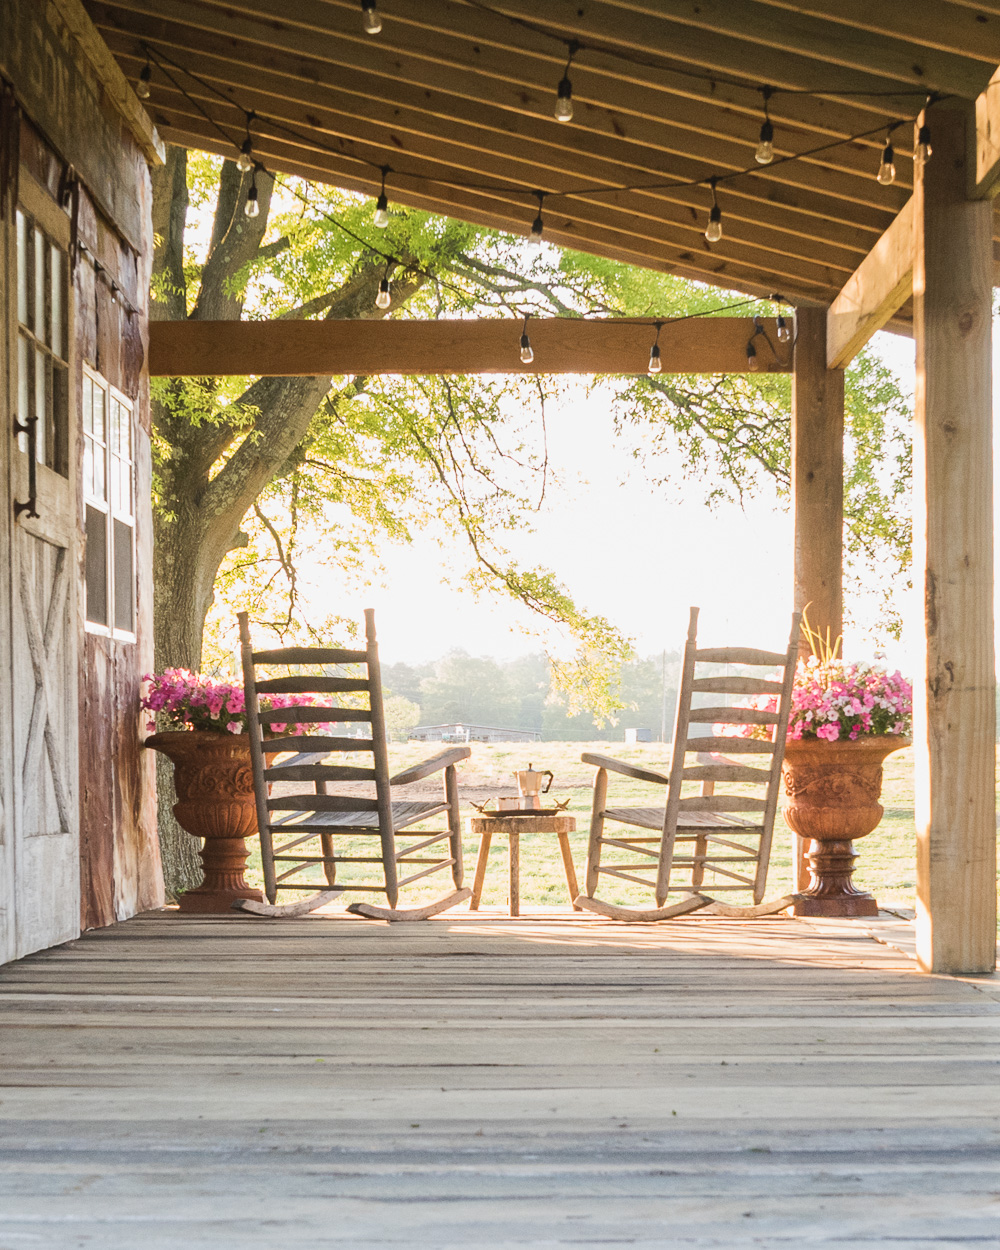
<point x="832" y="794"/>
<point x="214" y="783"/>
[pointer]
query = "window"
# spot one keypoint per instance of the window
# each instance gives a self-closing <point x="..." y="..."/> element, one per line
<point x="110" y="515"/>
<point x="42" y="344"/>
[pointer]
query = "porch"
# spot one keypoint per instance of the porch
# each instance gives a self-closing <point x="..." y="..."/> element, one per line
<point x="476" y="1080"/>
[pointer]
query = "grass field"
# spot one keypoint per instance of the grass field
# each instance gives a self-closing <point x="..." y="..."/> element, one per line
<point x="886" y="865"/>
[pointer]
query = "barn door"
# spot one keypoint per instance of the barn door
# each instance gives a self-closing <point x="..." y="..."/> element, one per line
<point x="43" y="821"/>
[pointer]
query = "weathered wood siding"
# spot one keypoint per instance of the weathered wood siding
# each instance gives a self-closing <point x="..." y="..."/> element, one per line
<point x="70" y="134"/>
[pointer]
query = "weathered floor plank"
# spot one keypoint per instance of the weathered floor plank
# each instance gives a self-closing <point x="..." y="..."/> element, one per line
<point x="482" y="1082"/>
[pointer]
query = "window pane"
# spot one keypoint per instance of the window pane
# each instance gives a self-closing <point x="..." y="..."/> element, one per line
<point x="59" y="376"/>
<point x="88" y="404"/>
<point x="97" y="567"/>
<point x="42" y="408"/>
<point x="58" y="310"/>
<point x="25" y="368"/>
<point x="100" y="399"/>
<point x="88" y="466"/>
<point x="38" y="321"/>
<point x="22" y="268"/>
<point x="124" y="578"/>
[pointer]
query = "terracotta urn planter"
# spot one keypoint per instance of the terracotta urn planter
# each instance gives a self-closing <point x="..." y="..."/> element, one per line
<point x="214" y="783"/>
<point x="832" y="794"/>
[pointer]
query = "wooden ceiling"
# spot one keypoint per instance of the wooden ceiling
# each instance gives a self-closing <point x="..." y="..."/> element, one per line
<point x="461" y="92"/>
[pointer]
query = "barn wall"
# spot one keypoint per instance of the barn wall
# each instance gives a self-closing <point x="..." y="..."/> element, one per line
<point x="77" y="148"/>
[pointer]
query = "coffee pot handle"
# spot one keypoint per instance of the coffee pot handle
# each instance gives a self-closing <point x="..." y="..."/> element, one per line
<point x="548" y="773"/>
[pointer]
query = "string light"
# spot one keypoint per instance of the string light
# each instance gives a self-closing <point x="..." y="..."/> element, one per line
<point x="753" y="364"/>
<point x="245" y="162"/>
<point x="381" y="218"/>
<point x="252" y="207"/>
<point x="886" y="175"/>
<point x="538" y="225"/>
<point x="655" y="363"/>
<point x="784" y="330"/>
<point x="370" y="18"/>
<point x="384" y="298"/>
<point x="142" y="86"/>
<point x="922" y="153"/>
<point x="714" y="231"/>
<point x="527" y="355"/>
<point x="564" y="92"/>
<point x="765" y="145"/>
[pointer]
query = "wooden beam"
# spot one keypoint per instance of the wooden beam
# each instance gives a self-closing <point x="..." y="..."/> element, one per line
<point x="984" y="181"/>
<point x="817" y="462"/>
<point x="953" y="560"/>
<point x="873" y="294"/>
<point x="560" y="344"/>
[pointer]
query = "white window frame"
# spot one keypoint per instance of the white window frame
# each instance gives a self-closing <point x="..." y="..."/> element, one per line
<point x="109" y="505"/>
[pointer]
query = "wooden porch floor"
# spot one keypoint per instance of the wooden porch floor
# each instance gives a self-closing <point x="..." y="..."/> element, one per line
<point x="482" y="1082"/>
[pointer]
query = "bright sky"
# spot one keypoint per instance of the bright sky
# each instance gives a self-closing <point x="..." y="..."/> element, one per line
<point x="638" y="554"/>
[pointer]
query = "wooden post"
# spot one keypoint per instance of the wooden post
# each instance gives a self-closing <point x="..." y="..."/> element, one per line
<point x="953" y="559"/>
<point x="817" y="492"/>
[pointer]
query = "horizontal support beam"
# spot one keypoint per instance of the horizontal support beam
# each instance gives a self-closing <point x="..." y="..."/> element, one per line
<point x="873" y="294"/>
<point x="984" y="179"/>
<point x="560" y="344"/>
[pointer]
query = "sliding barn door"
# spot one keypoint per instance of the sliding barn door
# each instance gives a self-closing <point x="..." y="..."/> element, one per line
<point x="41" y="804"/>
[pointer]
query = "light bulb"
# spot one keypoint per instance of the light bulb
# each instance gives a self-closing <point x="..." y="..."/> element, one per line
<point x="537" y="226"/>
<point x="370" y="18"/>
<point x="753" y="364"/>
<point x="527" y="355"/>
<point x="887" y="169"/>
<point x="383" y="299"/>
<point x="142" y="86"/>
<point x="564" y="100"/>
<point x="244" y="162"/>
<point x="714" y="231"/>
<point x="765" y="147"/>
<point x="784" y="330"/>
<point x="923" y="150"/>
<point x="381" y="218"/>
<point x="251" y="207"/>
<point x="655" y="363"/>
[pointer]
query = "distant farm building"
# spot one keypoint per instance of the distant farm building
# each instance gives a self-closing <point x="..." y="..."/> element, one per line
<point x="638" y="735"/>
<point x="472" y="733"/>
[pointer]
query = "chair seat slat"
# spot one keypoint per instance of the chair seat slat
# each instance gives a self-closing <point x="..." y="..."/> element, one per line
<point x="721" y="803"/>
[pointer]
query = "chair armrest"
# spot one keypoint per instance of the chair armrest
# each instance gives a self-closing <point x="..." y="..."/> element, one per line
<point x="626" y="770"/>
<point x="433" y="765"/>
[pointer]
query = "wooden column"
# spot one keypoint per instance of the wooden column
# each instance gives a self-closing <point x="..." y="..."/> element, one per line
<point x="953" y="559"/>
<point x="817" y="490"/>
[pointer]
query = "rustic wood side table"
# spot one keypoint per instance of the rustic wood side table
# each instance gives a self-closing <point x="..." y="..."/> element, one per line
<point x="513" y="826"/>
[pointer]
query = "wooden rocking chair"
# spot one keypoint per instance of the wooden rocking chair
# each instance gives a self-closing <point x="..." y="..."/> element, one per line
<point x="314" y="826"/>
<point x="684" y="837"/>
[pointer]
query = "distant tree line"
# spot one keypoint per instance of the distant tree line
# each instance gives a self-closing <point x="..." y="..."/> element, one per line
<point x="519" y="694"/>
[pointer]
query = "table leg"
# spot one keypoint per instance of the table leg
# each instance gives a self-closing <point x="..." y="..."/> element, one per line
<point x="477" y="884"/>
<point x="514" y="840"/>
<point x="567" y="859"/>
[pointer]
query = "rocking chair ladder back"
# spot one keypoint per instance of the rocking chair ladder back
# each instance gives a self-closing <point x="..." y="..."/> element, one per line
<point x="315" y="826"/>
<point x="727" y="835"/>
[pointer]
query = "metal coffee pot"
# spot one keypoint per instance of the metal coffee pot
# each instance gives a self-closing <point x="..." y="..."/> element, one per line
<point x="529" y="786"/>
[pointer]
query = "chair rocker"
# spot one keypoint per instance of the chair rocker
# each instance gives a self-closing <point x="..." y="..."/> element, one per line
<point x="683" y="837"/>
<point x="315" y="826"/>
